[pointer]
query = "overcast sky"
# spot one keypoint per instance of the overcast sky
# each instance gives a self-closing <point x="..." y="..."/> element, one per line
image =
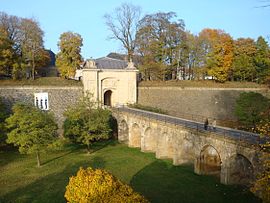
<point x="239" y="18"/>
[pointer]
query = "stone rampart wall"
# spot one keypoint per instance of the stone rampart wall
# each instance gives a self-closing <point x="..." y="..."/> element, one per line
<point x="59" y="97"/>
<point x="216" y="103"/>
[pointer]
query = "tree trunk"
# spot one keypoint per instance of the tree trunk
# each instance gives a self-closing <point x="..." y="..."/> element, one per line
<point x="38" y="159"/>
<point x="33" y="66"/>
<point x="88" y="148"/>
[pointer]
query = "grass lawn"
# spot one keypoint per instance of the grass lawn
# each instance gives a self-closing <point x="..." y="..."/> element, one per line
<point x="42" y="81"/>
<point x="201" y="83"/>
<point x="157" y="180"/>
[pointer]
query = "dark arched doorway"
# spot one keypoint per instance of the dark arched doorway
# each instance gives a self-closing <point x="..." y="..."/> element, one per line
<point x="108" y="98"/>
<point x="210" y="162"/>
<point x="241" y="170"/>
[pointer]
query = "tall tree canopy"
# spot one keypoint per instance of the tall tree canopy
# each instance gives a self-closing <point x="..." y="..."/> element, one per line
<point x="123" y="23"/>
<point x="218" y="53"/>
<point x="21" y="46"/>
<point x="32" y="45"/>
<point x="69" y="58"/>
<point x="262" y="59"/>
<point x="160" y="42"/>
<point x="243" y="64"/>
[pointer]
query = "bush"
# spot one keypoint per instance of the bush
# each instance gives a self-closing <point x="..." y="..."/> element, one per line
<point x="98" y="185"/>
<point x="251" y="108"/>
<point x="86" y="123"/>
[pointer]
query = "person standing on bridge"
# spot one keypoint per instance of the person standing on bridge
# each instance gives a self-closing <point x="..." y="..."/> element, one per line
<point x="214" y="124"/>
<point x="206" y="124"/>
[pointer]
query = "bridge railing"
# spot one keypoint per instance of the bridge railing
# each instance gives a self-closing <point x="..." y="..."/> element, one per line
<point x="238" y="135"/>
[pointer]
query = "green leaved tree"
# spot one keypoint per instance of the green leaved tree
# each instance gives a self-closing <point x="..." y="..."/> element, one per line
<point x="31" y="129"/>
<point x="86" y="123"/>
<point x="69" y="58"/>
<point x="250" y="109"/>
<point x="262" y="59"/>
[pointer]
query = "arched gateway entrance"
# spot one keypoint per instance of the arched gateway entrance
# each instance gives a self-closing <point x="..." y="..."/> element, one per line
<point x="108" y="98"/>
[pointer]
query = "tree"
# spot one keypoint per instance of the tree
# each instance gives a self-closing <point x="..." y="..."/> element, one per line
<point x="243" y="67"/>
<point x="250" y="109"/>
<point x="10" y="47"/>
<point x="69" y="58"/>
<point x="218" y="53"/>
<point x="86" y="122"/>
<point x="32" y="44"/>
<point x="123" y="23"/>
<point x="262" y="59"/>
<point x="98" y="185"/>
<point x="160" y="42"/>
<point x="7" y="54"/>
<point x="31" y="129"/>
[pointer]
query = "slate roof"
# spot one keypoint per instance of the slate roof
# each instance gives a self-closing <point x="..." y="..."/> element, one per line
<point x="110" y="63"/>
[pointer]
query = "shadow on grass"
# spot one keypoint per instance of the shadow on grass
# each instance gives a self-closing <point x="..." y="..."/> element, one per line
<point x="75" y="147"/>
<point x="8" y="154"/>
<point x="50" y="188"/>
<point x="162" y="182"/>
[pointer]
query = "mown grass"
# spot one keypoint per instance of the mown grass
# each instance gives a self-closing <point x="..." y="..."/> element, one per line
<point x="201" y="83"/>
<point x="42" y="81"/>
<point x="157" y="180"/>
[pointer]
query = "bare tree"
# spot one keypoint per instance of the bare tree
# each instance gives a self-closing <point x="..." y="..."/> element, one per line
<point x="123" y="24"/>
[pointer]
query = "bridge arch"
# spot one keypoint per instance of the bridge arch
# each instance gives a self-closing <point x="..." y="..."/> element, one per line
<point x="241" y="170"/>
<point x="135" y="136"/>
<point x="149" y="140"/>
<point x="123" y="131"/>
<point x="210" y="161"/>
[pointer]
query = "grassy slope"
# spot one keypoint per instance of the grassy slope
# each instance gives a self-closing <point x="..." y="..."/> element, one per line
<point x="195" y="83"/>
<point x="43" y="81"/>
<point x="158" y="180"/>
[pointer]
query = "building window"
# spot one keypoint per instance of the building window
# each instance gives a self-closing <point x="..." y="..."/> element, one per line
<point x="41" y="100"/>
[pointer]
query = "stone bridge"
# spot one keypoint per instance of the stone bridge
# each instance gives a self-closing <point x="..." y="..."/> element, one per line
<point x="231" y="155"/>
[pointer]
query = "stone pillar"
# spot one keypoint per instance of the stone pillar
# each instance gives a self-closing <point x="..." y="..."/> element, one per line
<point x="225" y="175"/>
<point x="197" y="166"/>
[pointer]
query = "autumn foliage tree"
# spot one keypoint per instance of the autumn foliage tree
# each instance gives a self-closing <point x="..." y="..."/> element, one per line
<point x="98" y="185"/>
<point x="69" y="58"/>
<point x="218" y="53"/>
<point x="21" y="46"/>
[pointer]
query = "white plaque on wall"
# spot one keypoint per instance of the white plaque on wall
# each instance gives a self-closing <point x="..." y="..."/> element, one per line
<point x="41" y="100"/>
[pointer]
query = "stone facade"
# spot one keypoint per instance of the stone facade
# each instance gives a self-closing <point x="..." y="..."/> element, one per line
<point x="59" y="97"/>
<point x="232" y="161"/>
<point x="120" y="83"/>
<point x="216" y="103"/>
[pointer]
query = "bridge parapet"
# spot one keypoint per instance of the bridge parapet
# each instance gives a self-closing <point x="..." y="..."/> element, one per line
<point x="232" y="155"/>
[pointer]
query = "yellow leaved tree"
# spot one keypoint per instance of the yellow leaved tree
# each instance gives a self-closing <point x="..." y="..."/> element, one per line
<point x="98" y="185"/>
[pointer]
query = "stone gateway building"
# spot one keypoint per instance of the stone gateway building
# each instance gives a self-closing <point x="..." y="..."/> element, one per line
<point x="111" y="81"/>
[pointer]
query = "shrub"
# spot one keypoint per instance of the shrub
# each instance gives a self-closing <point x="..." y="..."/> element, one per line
<point x="98" y="185"/>
<point x="86" y="123"/>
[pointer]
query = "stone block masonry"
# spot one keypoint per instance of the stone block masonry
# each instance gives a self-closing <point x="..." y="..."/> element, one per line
<point x="216" y="103"/>
<point x="59" y="97"/>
